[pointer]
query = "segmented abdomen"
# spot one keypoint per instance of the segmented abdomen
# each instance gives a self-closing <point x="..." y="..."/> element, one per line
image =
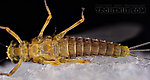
<point x="74" y="47"/>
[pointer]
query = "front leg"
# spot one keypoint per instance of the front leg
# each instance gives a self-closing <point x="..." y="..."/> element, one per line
<point x="12" y="33"/>
<point x="13" y="70"/>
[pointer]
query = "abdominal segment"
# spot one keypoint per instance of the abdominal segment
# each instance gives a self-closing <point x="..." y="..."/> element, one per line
<point x="71" y="47"/>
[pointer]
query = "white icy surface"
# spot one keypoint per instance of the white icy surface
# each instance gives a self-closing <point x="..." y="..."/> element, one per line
<point x="101" y="68"/>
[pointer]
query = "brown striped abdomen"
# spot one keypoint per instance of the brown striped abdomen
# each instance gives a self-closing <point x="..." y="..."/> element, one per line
<point x="75" y="47"/>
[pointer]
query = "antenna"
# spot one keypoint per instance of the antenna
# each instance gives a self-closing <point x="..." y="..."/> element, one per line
<point x="4" y="59"/>
<point x="3" y="45"/>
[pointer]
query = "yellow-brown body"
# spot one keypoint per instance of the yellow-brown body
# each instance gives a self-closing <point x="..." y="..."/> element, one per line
<point x="69" y="47"/>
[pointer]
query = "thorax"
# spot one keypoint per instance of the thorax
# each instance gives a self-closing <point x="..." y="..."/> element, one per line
<point x="40" y="46"/>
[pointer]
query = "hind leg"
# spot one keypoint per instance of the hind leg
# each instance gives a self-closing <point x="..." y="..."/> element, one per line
<point x="51" y="62"/>
<point x="78" y="61"/>
<point x="61" y="35"/>
<point x="64" y="60"/>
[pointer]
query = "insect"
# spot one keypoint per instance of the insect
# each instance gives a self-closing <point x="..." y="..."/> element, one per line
<point x="57" y="49"/>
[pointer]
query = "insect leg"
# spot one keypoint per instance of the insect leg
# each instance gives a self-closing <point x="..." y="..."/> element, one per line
<point x="61" y="35"/>
<point x="13" y="70"/>
<point x="12" y="33"/>
<point x="47" y="21"/>
<point x="52" y="62"/>
<point x="46" y="59"/>
<point x="77" y="61"/>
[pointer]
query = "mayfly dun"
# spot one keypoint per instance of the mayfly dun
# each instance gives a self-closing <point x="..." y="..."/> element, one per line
<point x="60" y="49"/>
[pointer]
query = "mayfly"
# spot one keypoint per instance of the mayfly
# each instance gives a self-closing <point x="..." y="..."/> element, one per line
<point x="57" y="49"/>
